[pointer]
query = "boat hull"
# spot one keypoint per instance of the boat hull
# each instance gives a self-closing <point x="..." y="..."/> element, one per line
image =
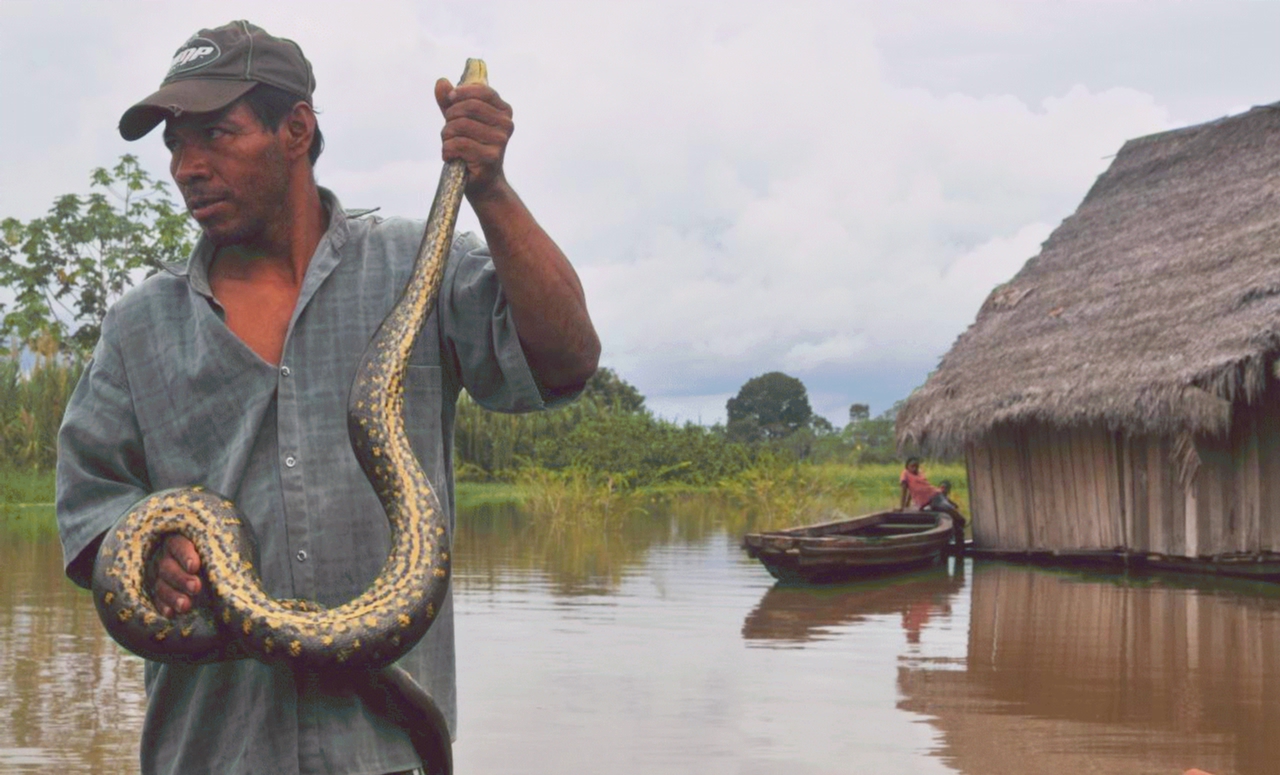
<point x="852" y="547"/>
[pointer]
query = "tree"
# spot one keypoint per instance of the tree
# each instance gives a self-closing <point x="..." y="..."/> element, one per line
<point x="613" y="392"/>
<point x="67" y="268"/>
<point x="873" y="439"/>
<point x="771" y="406"/>
<point x="859" y="412"/>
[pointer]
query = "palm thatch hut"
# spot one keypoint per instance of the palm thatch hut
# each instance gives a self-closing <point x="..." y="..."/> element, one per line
<point x="1119" y="395"/>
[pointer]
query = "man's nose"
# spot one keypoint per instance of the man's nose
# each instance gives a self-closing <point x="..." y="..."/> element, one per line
<point x="189" y="164"/>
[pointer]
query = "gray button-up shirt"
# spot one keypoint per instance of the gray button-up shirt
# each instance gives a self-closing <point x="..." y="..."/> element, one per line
<point x="173" y="398"/>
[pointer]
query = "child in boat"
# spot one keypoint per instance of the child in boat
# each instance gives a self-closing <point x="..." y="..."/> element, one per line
<point x="924" y="496"/>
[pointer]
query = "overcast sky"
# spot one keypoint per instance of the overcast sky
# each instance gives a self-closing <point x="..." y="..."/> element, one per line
<point x="825" y="189"/>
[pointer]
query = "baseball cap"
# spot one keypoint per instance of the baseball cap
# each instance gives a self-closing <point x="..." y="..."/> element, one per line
<point x="217" y="67"/>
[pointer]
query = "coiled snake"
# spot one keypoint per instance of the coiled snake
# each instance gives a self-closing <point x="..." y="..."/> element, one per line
<point x="371" y="631"/>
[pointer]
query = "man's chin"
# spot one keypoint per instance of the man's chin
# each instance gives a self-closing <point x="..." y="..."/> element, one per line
<point x="221" y="233"/>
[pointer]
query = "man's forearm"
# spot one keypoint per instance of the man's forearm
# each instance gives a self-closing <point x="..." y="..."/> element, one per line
<point x="542" y="288"/>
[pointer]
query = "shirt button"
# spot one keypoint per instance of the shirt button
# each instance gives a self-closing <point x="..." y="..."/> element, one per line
<point x="284" y="371"/>
<point x="291" y="461"/>
<point x="302" y="555"/>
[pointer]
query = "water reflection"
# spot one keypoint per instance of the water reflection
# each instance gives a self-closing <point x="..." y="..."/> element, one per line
<point x="655" y="645"/>
<point x="793" y="615"/>
<point x="590" y="555"/>
<point x="74" y="700"/>
<point x="1073" y="673"/>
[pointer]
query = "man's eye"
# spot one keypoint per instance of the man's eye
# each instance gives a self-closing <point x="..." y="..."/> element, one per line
<point x="213" y="132"/>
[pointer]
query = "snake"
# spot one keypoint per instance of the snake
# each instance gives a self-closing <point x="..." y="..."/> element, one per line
<point x="237" y="618"/>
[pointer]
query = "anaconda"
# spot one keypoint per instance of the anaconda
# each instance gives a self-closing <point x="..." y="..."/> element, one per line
<point x="240" y="619"/>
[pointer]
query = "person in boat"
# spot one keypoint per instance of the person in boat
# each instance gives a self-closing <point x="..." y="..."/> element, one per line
<point x="233" y="374"/>
<point x="919" y="493"/>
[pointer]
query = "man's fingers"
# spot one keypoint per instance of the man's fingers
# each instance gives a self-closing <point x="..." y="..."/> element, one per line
<point x="478" y="93"/>
<point x="182" y="550"/>
<point x="472" y="99"/>
<point x="169" y="600"/>
<point x="466" y="128"/>
<point x="176" y="579"/>
<point x="480" y="112"/>
<point x="443" y="87"/>
<point x="172" y="573"/>
<point x="479" y="158"/>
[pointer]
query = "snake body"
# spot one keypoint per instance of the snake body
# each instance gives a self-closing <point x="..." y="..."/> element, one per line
<point x="237" y="618"/>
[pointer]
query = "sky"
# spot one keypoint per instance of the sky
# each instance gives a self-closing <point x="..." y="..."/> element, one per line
<point x="828" y="189"/>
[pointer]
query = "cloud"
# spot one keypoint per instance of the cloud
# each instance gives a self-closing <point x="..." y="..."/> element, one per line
<point x="743" y="187"/>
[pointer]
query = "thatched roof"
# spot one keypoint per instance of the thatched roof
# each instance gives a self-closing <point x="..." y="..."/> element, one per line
<point x="1153" y="309"/>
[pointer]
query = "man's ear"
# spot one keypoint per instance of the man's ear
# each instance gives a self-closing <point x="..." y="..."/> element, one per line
<point x="299" y="128"/>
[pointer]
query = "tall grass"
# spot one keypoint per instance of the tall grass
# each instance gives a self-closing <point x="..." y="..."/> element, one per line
<point x="31" y="405"/>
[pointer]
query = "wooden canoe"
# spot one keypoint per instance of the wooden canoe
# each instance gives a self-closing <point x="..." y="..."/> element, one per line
<point x="850" y="547"/>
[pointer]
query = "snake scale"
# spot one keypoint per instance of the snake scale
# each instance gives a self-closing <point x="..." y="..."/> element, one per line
<point x="237" y="619"/>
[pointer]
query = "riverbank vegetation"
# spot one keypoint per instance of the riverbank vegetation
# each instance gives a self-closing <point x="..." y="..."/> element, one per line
<point x="601" y="457"/>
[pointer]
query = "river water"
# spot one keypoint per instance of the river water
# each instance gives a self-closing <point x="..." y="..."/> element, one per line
<point x="653" y="645"/>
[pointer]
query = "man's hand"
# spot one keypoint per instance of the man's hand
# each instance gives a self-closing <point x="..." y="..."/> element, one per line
<point x="177" y="564"/>
<point x="477" y="126"/>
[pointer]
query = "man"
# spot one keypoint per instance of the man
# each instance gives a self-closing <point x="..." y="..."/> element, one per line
<point x="917" y="492"/>
<point x="234" y="375"/>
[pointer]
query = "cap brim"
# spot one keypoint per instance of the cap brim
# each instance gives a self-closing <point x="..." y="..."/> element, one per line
<point x="190" y="95"/>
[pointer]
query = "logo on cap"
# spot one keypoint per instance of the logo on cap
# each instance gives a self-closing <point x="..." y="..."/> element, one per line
<point x="193" y="55"/>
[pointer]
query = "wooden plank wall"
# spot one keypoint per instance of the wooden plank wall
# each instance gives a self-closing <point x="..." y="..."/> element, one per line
<point x="1042" y="488"/>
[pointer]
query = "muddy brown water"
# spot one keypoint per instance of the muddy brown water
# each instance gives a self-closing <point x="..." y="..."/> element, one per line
<point x="655" y="646"/>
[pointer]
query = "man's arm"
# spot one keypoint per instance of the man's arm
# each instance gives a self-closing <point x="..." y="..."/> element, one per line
<point x="101" y="468"/>
<point x="905" y="495"/>
<point x="541" y="287"/>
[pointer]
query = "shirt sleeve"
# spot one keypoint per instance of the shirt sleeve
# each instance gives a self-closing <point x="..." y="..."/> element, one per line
<point x="478" y="329"/>
<point x="101" y="466"/>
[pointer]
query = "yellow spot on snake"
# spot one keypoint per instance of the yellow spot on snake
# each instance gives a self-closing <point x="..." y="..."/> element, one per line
<point x="295" y="648"/>
<point x="107" y="598"/>
<point x="124" y="614"/>
<point x="403" y="619"/>
<point x="247" y="625"/>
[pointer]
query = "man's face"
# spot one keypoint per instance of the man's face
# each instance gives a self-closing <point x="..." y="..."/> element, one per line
<point x="913" y="467"/>
<point x="231" y="172"/>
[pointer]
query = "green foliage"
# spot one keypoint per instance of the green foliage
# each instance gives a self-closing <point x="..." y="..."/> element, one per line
<point x="607" y="434"/>
<point x="67" y="268"/>
<point x="608" y="390"/>
<point x="770" y="406"/>
<point x="31" y="406"/>
<point x="872" y="439"/>
<point x="638" y="450"/>
<point x="24" y="487"/>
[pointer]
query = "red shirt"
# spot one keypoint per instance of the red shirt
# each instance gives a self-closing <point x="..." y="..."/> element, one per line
<point x="918" y="487"/>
